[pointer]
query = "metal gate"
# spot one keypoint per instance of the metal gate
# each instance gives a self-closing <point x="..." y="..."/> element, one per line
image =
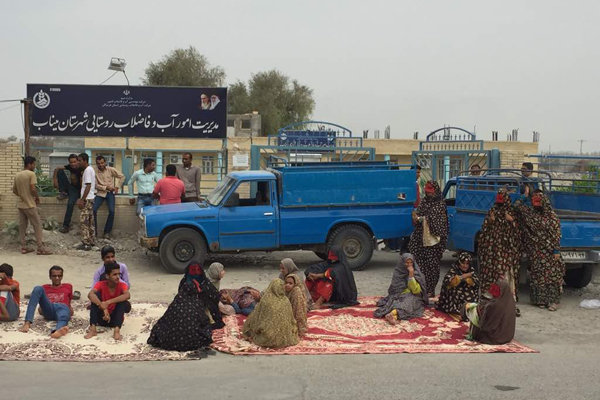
<point x="310" y="141"/>
<point x="449" y="152"/>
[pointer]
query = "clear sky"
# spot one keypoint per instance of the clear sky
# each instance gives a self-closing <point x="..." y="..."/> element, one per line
<point x="413" y="65"/>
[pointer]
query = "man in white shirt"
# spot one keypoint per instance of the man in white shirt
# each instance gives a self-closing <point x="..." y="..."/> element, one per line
<point x="86" y="203"/>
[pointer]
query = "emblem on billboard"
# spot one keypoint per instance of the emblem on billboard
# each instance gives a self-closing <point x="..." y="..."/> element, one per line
<point x="41" y="99"/>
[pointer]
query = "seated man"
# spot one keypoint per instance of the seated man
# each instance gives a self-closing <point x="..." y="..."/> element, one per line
<point x="54" y="301"/>
<point x="109" y="303"/>
<point x="108" y="256"/>
<point x="10" y="295"/>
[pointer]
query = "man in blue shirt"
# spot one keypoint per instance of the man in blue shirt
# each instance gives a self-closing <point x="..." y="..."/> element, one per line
<point x="145" y="178"/>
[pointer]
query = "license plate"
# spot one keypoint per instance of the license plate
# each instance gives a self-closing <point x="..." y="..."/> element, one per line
<point x="573" y="255"/>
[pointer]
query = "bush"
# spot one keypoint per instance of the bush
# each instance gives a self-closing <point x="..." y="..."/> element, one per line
<point x="45" y="185"/>
<point x="11" y="228"/>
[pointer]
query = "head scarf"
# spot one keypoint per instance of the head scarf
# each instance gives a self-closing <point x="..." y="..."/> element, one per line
<point x="214" y="273"/>
<point x="542" y="225"/>
<point x="298" y="301"/>
<point x="497" y="317"/>
<point x="208" y="293"/>
<point x="289" y="267"/>
<point x="272" y="322"/>
<point x="400" y="276"/>
<point x="464" y="256"/>
<point x="434" y="209"/>
<point x="407" y="304"/>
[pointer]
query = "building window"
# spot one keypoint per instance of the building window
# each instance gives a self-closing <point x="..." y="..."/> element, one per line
<point x="109" y="157"/>
<point x="175" y="159"/>
<point x="246" y="124"/>
<point x="208" y="164"/>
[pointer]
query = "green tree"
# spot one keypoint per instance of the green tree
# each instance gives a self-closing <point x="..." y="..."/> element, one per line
<point x="184" y="67"/>
<point x="277" y="98"/>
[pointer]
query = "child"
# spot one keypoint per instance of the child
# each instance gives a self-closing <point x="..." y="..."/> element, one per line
<point x="108" y="256"/>
<point x="109" y="303"/>
<point x="10" y="295"/>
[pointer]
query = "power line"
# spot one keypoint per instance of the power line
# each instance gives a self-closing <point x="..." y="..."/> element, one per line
<point x="9" y="107"/>
<point x="106" y="80"/>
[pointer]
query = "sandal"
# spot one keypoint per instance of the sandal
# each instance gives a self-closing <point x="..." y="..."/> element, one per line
<point x="517" y="312"/>
<point x="542" y="306"/>
<point x="553" y="307"/>
<point x="25" y="250"/>
<point x="43" y="252"/>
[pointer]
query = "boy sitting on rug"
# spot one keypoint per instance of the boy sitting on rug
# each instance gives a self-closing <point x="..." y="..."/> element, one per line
<point x="109" y="302"/>
<point x="10" y="295"/>
<point x="54" y="301"/>
<point x="107" y="253"/>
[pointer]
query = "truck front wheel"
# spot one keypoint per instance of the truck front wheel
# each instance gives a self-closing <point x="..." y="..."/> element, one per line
<point x="179" y="247"/>
<point x="356" y="243"/>
<point x="579" y="277"/>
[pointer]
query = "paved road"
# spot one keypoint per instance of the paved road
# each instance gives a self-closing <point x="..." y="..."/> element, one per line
<point x="566" y="367"/>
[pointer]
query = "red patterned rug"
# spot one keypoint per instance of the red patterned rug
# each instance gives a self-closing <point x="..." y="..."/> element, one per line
<point x="353" y="330"/>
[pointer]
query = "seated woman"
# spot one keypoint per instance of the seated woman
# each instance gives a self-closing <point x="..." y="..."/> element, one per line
<point x="185" y="325"/>
<point x="214" y="273"/>
<point x="332" y="281"/>
<point x="407" y="294"/>
<point x="207" y="292"/>
<point x="493" y="319"/>
<point x="242" y="300"/>
<point x="286" y="267"/>
<point x="460" y="286"/>
<point x="272" y="323"/>
<point x="294" y="290"/>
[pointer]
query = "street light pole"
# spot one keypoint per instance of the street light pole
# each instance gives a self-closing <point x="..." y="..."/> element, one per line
<point x="26" y="105"/>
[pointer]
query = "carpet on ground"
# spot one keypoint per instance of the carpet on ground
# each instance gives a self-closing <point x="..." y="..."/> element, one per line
<point x="36" y="345"/>
<point x="350" y="330"/>
<point x="353" y="330"/>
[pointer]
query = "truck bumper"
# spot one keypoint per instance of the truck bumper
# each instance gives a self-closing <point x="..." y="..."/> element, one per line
<point x="149" y="242"/>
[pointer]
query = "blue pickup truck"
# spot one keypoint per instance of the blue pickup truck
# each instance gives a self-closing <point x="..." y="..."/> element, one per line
<point x="468" y="198"/>
<point x="306" y="206"/>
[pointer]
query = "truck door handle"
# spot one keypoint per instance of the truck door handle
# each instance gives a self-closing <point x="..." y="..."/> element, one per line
<point x="268" y="214"/>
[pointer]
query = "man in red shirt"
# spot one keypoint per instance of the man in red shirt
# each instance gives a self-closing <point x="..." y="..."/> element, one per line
<point x="54" y="301"/>
<point x="10" y="296"/>
<point x="109" y="302"/>
<point x="169" y="189"/>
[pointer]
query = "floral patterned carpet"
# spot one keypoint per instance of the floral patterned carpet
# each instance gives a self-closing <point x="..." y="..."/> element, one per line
<point x="36" y="345"/>
<point x="354" y="330"/>
<point x="349" y="330"/>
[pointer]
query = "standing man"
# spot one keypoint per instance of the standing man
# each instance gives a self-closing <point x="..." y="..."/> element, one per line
<point x="106" y="189"/>
<point x="190" y="175"/>
<point x="54" y="301"/>
<point x="86" y="203"/>
<point x="527" y="187"/>
<point x="68" y="187"/>
<point x="146" y="178"/>
<point x="169" y="189"/>
<point x="24" y="188"/>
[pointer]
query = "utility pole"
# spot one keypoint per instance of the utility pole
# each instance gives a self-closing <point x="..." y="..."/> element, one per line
<point x="26" y="105"/>
<point x="581" y="146"/>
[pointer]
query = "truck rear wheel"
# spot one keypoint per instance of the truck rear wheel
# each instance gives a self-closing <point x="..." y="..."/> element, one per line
<point x="579" y="277"/>
<point x="356" y="243"/>
<point x="179" y="247"/>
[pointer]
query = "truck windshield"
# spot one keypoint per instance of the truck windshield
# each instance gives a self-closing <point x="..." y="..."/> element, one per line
<point x="215" y="197"/>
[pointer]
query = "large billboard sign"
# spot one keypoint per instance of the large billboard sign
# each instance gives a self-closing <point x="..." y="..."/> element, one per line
<point x="151" y="111"/>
